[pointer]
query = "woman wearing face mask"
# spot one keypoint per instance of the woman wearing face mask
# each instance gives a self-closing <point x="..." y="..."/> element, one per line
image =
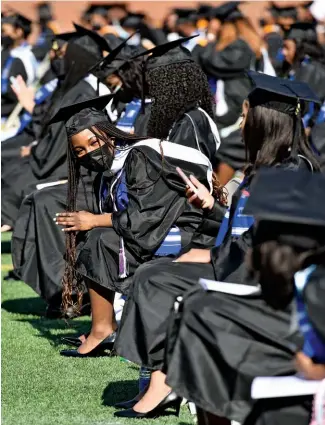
<point x="16" y="59"/>
<point x="269" y="109"/>
<point x="146" y="213"/>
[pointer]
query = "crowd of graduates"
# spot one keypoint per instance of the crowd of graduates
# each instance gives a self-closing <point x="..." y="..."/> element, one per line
<point x="169" y="182"/>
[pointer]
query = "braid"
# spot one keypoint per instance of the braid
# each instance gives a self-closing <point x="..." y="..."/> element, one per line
<point x="219" y="191"/>
<point x="71" y="280"/>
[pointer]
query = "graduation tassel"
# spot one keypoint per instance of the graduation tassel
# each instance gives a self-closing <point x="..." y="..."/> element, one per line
<point x="296" y="131"/>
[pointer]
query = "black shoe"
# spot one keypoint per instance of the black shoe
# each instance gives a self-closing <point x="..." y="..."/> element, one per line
<point x="171" y="400"/>
<point x="74" y="341"/>
<point x="131" y="403"/>
<point x="99" y="350"/>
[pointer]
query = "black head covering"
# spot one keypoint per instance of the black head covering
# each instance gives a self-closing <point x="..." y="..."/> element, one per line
<point x="227" y="12"/>
<point x="185" y="16"/>
<point x="302" y="31"/>
<point x="282" y="95"/>
<point x="133" y="20"/>
<point x="290" y="200"/>
<point x="284" y="12"/>
<point x="167" y="54"/>
<point x="204" y="11"/>
<point x="101" y="42"/>
<point x="97" y="9"/>
<point x="82" y="115"/>
<point x="18" y="20"/>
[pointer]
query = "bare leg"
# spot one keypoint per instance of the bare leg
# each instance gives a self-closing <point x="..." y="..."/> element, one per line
<point x="103" y="317"/>
<point x="157" y="391"/>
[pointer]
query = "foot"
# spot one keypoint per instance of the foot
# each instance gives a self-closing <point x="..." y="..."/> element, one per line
<point x="151" y="399"/>
<point x="93" y="340"/>
<point x="5" y="228"/>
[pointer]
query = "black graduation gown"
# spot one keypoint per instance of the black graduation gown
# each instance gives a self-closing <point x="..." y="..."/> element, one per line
<point x="239" y="338"/>
<point x="229" y="65"/>
<point x="145" y="223"/>
<point x="47" y="161"/>
<point x="193" y="130"/>
<point x="36" y="262"/>
<point x="9" y="99"/>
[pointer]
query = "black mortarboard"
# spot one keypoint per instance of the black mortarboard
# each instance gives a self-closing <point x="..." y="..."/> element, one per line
<point x="203" y="11"/>
<point x="278" y="93"/>
<point x="58" y="40"/>
<point x="97" y="9"/>
<point x="82" y="115"/>
<point x="287" y="206"/>
<point x="284" y="12"/>
<point x="167" y="54"/>
<point x="302" y="31"/>
<point x="287" y="196"/>
<point x="185" y="15"/>
<point x="98" y="39"/>
<point x="17" y="19"/>
<point x="227" y="12"/>
<point x="132" y="20"/>
<point x="284" y="96"/>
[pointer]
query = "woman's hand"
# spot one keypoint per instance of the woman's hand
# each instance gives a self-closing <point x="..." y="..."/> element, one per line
<point x="201" y="199"/>
<point x="308" y="368"/>
<point x="82" y="221"/>
<point x="195" y="256"/>
<point x="25" y="94"/>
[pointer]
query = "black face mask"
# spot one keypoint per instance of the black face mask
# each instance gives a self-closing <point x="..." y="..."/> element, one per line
<point x="57" y="66"/>
<point x="99" y="160"/>
<point x="6" y="41"/>
<point x="262" y="23"/>
<point x="124" y="95"/>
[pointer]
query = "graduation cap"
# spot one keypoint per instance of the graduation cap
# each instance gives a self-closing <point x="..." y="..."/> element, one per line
<point x="117" y="5"/>
<point x="287" y="207"/>
<point x="132" y="20"/>
<point x="17" y="19"/>
<point x="98" y="39"/>
<point x="82" y="115"/>
<point x="58" y="40"/>
<point x="97" y="9"/>
<point x="282" y="95"/>
<point x="167" y="54"/>
<point x="227" y="12"/>
<point x="185" y="16"/>
<point x="302" y="31"/>
<point x="284" y="12"/>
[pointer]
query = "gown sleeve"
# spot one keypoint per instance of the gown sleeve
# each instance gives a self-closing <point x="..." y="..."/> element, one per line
<point x="152" y="209"/>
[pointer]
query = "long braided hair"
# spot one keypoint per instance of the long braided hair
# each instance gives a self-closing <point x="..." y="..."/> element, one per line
<point x="73" y="285"/>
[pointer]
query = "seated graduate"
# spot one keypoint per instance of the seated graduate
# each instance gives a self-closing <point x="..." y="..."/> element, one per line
<point x="41" y="266"/>
<point x="46" y="161"/>
<point x="16" y="58"/>
<point x="182" y="109"/>
<point x="147" y="216"/>
<point x="35" y="262"/>
<point x="271" y="107"/>
<point x="218" y="343"/>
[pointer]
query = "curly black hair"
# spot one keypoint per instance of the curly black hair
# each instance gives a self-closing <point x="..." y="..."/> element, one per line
<point x="174" y="89"/>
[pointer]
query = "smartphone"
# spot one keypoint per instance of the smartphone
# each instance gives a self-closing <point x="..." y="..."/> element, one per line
<point x="186" y="180"/>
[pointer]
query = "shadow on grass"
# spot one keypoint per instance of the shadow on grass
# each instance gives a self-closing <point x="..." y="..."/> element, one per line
<point x="5" y="247"/>
<point x="47" y="328"/>
<point x="35" y="306"/>
<point x="118" y="391"/>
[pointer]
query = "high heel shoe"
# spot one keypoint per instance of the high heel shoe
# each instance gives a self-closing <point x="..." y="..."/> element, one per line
<point x="74" y="341"/>
<point x="99" y="350"/>
<point x="170" y="401"/>
<point x="131" y="403"/>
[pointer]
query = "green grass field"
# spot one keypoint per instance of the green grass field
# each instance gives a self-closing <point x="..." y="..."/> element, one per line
<point x="41" y="388"/>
